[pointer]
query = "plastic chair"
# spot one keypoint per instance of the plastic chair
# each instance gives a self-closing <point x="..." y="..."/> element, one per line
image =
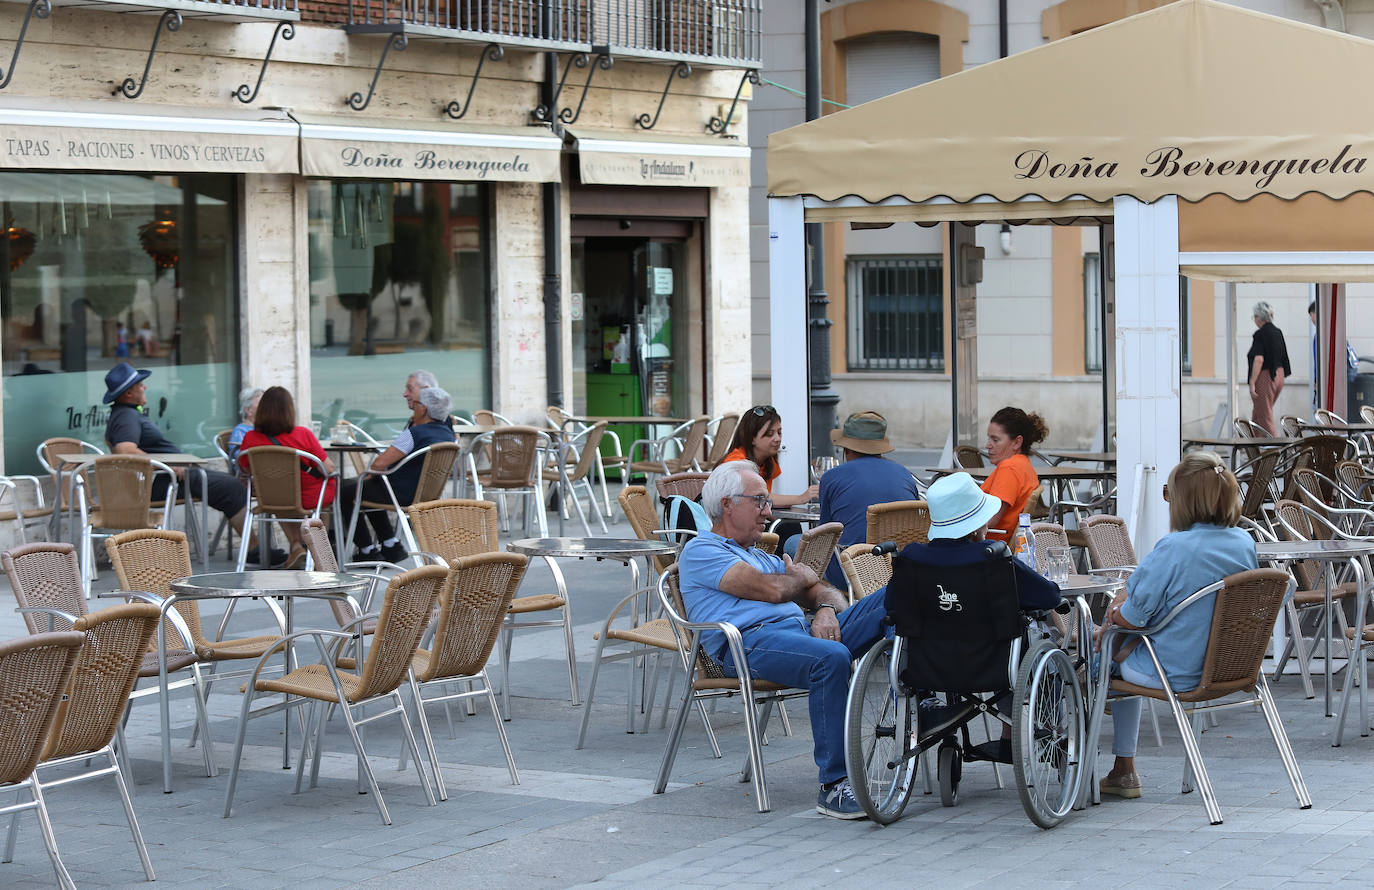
<point x="406" y="608"/>
<point x="33" y="675"/>
<point x="904" y="522"/>
<point x="1245" y="606"/>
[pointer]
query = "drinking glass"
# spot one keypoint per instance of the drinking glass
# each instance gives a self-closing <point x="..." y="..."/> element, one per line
<point x="1057" y="564"/>
<point x="820" y="465"/>
<point x="315" y="427"/>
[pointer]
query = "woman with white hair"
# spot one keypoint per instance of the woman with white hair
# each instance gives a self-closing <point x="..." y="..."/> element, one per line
<point x="1268" y="366"/>
<point x="248" y="407"/>
<point x="428" y="425"/>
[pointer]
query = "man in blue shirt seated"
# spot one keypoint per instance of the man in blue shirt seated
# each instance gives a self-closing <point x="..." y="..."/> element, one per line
<point x="725" y="578"/>
<point x="959" y="515"/>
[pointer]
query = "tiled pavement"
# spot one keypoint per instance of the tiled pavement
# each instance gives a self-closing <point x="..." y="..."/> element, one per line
<point x="584" y="817"/>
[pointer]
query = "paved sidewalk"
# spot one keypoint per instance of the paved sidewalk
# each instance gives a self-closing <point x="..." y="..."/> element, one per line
<point x="589" y="817"/>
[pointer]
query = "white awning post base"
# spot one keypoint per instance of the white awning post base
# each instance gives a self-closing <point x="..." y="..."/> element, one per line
<point x="787" y="338"/>
<point x="1147" y="362"/>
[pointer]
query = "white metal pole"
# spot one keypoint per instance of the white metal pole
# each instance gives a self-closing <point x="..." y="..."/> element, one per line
<point x="787" y="326"/>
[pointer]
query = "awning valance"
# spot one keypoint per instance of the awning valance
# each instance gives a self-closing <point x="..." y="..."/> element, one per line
<point x="349" y="147"/>
<point x="1192" y="99"/>
<point x="87" y="136"/>
<point x="607" y="157"/>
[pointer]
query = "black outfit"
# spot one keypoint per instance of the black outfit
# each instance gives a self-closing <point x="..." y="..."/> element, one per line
<point x="1033" y="590"/>
<point x="222" y="491"/>
<point x="1269" y="343"/>
<point x="403" y="482"/>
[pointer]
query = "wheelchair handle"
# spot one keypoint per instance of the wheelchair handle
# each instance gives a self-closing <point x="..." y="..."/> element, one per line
<point x="884" y="548"/>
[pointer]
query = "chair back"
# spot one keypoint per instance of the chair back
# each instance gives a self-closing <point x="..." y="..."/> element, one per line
<point x="315" y="537"/>
<point x="455" y="528"/>
<point x="104" y="675"/>
<point x="514" y="457"/>
<point x="692" y="443"/>
<point x="688" y="485"/>
<point x="1243" y="616"/>
<point x="902" y="521"/>
<point x="488" y="417"/>
<point x="49" y="449"/>
<point x="472" y="607"/>
<point x="1248" y="429"/>
<point x="723" y="433"/>
<point x="1325" y="417"/>
<point x="1312" y="489"/>
<point x="817" y="546"/>
<point x="639" y="510"/>
<point x="435" y="470"/>
<point x="557" y="417"/>
<point x="865" y="572"/>
<point x="276" y="472"/>
<point x="45" y="576"/>
<point x="406" y="606"/>
<point x="1296" y="525"/>
<point x="1321" y="453"/>
<point x="1290" y="426"/>
<point x="1367" y="413"/>
<point x="33" y="674"/>
<point x="1353" y="475"/>
<point x="768" y="543"/>
<point x="1259" y="484"/>
<point x="1109" y="544"/>
<point x="1046" y="535"/>
<point x="706" y="667"/>
<point x="124" y="488"/>
<point x="150" y="559"/>
<point x="968" y="456"/>
<point x="222" y="446"/>
<point x="590" y="445"/>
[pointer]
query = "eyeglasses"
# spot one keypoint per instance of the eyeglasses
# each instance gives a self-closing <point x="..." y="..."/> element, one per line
<point x="762" y="501"/>
<point x="763" y="410"/>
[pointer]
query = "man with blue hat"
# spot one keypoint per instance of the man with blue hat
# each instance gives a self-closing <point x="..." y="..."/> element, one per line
<point x="129" y="431"/>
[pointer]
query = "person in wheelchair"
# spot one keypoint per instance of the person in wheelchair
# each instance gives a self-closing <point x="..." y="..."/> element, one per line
<point x="725" y="578"/>
<point x="960" y="513"/>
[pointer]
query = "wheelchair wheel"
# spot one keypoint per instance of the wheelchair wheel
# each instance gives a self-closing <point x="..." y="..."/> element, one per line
<point x="878" y="725"/>
<point x="951" y="766"/>
<point x="1047" y="733"/>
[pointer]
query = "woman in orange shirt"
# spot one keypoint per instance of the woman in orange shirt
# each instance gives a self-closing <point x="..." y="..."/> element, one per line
<point x="1011" y="435"/>
<point x="758" y="437"/>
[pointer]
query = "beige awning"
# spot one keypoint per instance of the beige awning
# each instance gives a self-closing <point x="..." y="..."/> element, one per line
<point x="88" y="136"/>
<point x="616" y="157"/>
<point x="371" y="149"/>
<point x="1192" y="99"/>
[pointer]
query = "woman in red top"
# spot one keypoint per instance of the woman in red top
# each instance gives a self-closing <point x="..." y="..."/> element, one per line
<point x="275" y="424"/>
<point x="758" y="437"/>
<point x="1011" y="435"/>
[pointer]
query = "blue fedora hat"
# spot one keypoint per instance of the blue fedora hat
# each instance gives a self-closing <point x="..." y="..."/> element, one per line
<point x="121" y="377"/>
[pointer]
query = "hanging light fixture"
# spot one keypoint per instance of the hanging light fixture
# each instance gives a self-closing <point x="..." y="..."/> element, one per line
<point x="21" y="242"/>
<point x="161" y="241"/>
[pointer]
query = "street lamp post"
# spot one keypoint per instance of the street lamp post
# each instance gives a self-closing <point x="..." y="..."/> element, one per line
<point x="823" y="398"/>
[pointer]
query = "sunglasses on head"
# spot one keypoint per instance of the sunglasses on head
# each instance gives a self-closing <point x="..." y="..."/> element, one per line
<point x="763" y="410"/>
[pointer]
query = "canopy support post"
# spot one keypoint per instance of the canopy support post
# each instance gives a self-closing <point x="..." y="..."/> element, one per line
<point x="1148" y="414"/>
<point x="787" y="333"/>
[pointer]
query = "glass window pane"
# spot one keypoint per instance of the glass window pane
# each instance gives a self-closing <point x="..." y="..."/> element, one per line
<point x="896" y="315"/>
<point x="1092" y="313"/>
<point x="96" y="268"/>
<point x="398" y="282"/>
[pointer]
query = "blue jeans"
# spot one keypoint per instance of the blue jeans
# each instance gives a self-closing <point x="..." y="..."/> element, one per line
<point x="786" y="653"/>
<point x="1126" y="711"/>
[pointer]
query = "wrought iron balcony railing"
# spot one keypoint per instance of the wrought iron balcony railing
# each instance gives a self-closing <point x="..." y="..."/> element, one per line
<point x="222" y="10"/>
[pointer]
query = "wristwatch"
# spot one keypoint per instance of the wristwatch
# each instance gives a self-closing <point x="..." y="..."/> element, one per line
<point x="831" y="606"/>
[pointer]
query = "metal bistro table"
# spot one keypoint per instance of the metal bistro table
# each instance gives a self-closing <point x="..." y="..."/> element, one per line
<point x="1328" y="553"/>
<point x="807" y="513"/>
<point x="1079" y="588"/>
<point x="622" y="550"/>
<point x="266" y="585"/>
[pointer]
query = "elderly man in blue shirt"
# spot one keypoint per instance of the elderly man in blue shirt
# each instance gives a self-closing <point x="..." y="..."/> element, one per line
<point x="725" y="577"/>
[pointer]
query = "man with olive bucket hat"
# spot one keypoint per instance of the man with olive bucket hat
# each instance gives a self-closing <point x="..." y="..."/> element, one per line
<point x="129" y="431"/>
<point x="864" y="479"/>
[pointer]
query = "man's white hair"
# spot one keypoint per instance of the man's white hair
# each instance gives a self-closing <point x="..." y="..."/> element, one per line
<point x="727" y="481"/>
<point x="424" y="379"/>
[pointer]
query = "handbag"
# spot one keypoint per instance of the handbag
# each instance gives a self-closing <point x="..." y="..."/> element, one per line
<point x="306" y="466"/>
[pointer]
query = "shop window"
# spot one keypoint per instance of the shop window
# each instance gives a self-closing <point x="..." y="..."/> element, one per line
<point x="1092" y="313"/>
<point x="398" y="283"/>
<point x="98" y="268"/>
<point x="895" y="312"/>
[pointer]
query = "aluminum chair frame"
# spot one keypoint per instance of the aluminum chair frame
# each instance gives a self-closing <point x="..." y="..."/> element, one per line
<point x="534" y="487"/>
<point x="402" y="524"/>
<point x="84" y="491"/>
<point x="574" y="452"/>
<point x="265" y="518"/>
<point x="688" y="437"/>
<point x="61" y="503"/>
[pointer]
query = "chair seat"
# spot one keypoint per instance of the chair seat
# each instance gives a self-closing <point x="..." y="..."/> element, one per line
<point x="228" y="650"/>
<point x="541" y="602"/>
<point x="1192" y="695"/>
<point x="1318" y="596"/>
<point x="283" y="512"/>
<point x="97" y="518"/>
<point x="650" y="466"/>
<point x="657" y="633"/>
<point x="1367" y="636"/>
<point x="312" y="681"/>
<point x="176" y="660"/>
<point x="733" y="683"/>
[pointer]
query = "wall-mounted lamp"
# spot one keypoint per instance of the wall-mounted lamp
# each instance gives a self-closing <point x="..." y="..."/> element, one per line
<point x="1005" y="239"/>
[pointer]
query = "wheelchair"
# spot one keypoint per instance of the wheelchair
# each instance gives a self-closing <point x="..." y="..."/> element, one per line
<point x="960" y="631"/>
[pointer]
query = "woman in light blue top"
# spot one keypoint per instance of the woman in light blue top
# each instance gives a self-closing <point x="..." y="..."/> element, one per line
<point x="1204" y="547"/>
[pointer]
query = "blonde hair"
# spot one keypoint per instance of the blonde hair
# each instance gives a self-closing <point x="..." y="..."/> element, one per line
<point x="1201" y="489"/>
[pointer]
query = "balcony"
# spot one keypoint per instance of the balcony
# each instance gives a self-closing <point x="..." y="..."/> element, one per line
<point x="710" y="33"/>
<point x="217" y="10"/>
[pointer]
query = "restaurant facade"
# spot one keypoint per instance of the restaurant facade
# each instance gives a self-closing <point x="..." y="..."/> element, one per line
<point x="538" y="202"/>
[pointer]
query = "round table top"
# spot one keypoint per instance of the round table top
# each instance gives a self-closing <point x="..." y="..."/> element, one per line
<point x="1337" y="549"/>
<point x="331" y="445"/>
<point x="272" y="582"/>
<point x="1100" y="457"/>
<point x="1236" y="442"/>
<point x="1088" y="585"/>
<point x="599" y="548"/>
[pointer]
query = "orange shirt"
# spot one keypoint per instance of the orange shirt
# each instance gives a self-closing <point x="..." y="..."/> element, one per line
<point x="1011" y="483"/>
<point x="738" y="454"/>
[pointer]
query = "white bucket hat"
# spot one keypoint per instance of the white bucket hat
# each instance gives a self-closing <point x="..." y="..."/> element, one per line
<point x="958" y="507"/>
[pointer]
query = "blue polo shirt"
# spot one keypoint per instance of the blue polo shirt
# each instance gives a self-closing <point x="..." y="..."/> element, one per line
<point x="703" y="562"/>
<point x="1181" y="564"/>
<point x="848" y="490"/>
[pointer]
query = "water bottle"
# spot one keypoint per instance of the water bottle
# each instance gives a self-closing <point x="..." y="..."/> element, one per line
<point x="1025" y="542"/>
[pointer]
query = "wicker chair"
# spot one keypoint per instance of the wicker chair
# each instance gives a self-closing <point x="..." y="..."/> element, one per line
<point x="1245" y="606"/>
<point x="515" y="469"/>
<point x="721" y="431"/>
<point x="33" y="675"/>
<point x="1046" y="535"/>
<point x="274" y="491"/>
<point x="487" y="417"/>
<point x="1325" y="417"/>
<point x="1321" y="453"/>
<point x="450" y="530"/>
<point x="905" y="522"/>
<point x="687" y="438"/>
<point x="91" y="713"/>
<point x="968" y="457"/>
<point x="1257" y="478"/>
<point x="472" y="608"/>
<point x="1367" y="413"/>
<point x="1109" y="545"/>
<point x="817" y="546"/>
<point x="865" y="572"/>
<point x="49" y="454"/>
<point x="117" y="494"/>
<point x="687" y="485"/>
<point x="437" y="462"/>
<point x="586" y="446"/>
<point x="640" y="511"/>
<point x="406" y="608"/>
<point x="706" y="680"/>
<point x="1290" y="426"/>
<point x="768" y="543"/>
<point x="315" y="536"/>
